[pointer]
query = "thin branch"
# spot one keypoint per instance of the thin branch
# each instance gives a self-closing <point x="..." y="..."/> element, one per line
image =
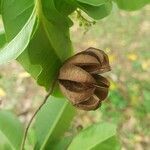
<point x="35" y="113"/>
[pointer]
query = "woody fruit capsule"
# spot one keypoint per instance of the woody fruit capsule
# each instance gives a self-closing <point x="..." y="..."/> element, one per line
<point x="80" y="79"/>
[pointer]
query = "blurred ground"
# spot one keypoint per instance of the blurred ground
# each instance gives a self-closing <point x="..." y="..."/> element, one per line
<point x="125" y="36"/>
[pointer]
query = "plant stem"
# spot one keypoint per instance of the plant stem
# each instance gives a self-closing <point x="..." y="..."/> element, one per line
<point x="35" y="113"/>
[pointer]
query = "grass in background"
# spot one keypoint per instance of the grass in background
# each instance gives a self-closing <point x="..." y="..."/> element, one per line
<point x="125" y="37"/>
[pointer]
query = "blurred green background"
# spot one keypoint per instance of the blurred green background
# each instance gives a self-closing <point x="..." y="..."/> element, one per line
<point x="125" y="37"/>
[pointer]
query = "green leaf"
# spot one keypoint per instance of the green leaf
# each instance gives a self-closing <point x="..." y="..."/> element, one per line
<point x="97" y="12"/>
<point x="108" y="144"/>
<point x="52" y="121"/>
<point x="57" y="29"/>
<point x="61" y="144"/>
<point x="15" y="14"/>
<point x="96" y="137"/>
<point x="42" y="61"/>
<point x="16" y="46"/>
<point x="131" y="4"/>
<point x="0" y="6"/>
<point x="56" y="45"/>
<point x="65" y="7"/>
<point x="50" y="44"/>
<point x="93" y="2"/>
<point x="4" y="144"/>
<point x="11" y="127"/>
<point x="2" y="38"/>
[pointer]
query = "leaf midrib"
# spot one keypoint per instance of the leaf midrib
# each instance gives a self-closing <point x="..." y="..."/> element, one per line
<point x="53" y="126"/>
<point x="23" y="11"/>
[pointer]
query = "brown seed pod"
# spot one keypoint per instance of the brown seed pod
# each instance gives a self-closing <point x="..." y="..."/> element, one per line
<point x="79" y="80"/>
